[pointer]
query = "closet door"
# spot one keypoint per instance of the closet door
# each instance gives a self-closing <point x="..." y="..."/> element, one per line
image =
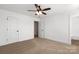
<point x="22" y="29"/>
<point x="3" y="31"/>
<point x="25" y="29"/>
<point x="12" y="30"/>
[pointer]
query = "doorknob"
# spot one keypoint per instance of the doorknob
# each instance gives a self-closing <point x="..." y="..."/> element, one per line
<point x="17" y="30"/>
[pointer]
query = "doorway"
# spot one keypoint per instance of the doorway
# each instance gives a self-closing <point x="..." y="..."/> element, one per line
<point x="36" y="24"/>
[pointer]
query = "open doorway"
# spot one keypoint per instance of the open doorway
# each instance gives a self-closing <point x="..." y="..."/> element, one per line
<point x="36" y="29"/>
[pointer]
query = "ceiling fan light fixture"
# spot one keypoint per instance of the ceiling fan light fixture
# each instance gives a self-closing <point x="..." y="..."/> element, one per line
<point x="37" y="13"/>
<point x="40" y="12"/>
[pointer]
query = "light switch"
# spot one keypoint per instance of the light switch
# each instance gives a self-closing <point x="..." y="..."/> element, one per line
<point x="7" y="29"/>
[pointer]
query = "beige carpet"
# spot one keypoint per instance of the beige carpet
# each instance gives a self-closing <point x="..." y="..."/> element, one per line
<point x="38" y="46"/>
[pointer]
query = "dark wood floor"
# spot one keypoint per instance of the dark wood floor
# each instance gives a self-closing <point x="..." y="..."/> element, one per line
<point x="38" y="46"/>
<point x="75" y="42"/>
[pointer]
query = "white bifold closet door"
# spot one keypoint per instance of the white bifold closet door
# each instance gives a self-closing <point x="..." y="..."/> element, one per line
<point x="23" y="29"/>
<point x="3" y="30"/>
<point x="12" y="29"/>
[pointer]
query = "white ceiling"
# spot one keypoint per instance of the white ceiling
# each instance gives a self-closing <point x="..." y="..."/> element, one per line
<point x="22" y="8"/>
<point x="19" y="8"/>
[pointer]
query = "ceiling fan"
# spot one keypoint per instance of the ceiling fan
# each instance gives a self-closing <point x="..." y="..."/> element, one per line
<point x="39" y="10"/>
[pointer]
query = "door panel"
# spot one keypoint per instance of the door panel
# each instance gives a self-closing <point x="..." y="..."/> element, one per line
<point x="12" y="30"/>
<point x="3" y="32"/>
<point x="25" y="29"/>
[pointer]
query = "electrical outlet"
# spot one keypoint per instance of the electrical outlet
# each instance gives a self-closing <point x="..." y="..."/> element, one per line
<point x="6" y="39"/>
<point x="7" y="18"/>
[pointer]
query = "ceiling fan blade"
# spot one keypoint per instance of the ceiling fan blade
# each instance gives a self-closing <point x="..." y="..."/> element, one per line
<point x="39" y="8"/>
<point x="36" y="5"/>
<point x="32" y="10"/>
<point x="46" y="9"/>
<point x="44" y="13"/>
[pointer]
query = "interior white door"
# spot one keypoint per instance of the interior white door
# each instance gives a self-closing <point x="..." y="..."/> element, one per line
<point x="3" y="31"/>
<point x="12" y="29"/>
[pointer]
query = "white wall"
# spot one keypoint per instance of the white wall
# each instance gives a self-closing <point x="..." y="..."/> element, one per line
<point x="56" y="27"/>
<point x="75" y="27"/>
<point x="10" y="22"/>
